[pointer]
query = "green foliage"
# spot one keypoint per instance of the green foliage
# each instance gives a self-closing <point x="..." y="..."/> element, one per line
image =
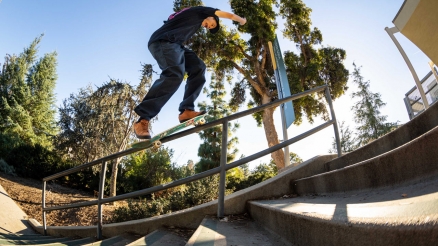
<point x="261" y="173"/>
<point x="367" y="113"/>
<point x="260" y="18"/>
<point x="235" y="178"/>
<point x="181" y="4"/>
<point x="347" y="139"/>
<point x="210" y="150"/>
<point x="134" y="210"/>
<point x="182" y="197"/>
<point x="193" y="193"/>
<point x="96" y="123"/>
<point x="311" y="67"/>
<point x="34" y="161"/>
<point x="227" y="52"/>
<point x="5" y="168"/>
<point x="7" y="143"/>
<point x="200" y="191"/>
<point x="146" y="169"/>
<point x="27" y="111"/>
<point x="294" y="158"/>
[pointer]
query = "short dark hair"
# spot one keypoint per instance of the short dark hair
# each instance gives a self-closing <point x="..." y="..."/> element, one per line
<point x="214" y="30"/>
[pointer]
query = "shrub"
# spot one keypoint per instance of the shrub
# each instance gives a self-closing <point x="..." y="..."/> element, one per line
<point x="34" y="161"/>
<point x="182" y="197"/>
<point x="5" y="168"/>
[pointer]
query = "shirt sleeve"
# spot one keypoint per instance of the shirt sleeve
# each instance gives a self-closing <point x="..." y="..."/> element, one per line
<point x="205" y="12"/>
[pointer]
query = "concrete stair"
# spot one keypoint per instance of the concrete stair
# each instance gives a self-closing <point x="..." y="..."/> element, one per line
<point x="240" y="231"/>
<point x="160" y="237"/>
<point x="38" y="239"/>
<point x="402" y="215"/>
<point x="385" y="193"/>
<point x="413" y="161"/>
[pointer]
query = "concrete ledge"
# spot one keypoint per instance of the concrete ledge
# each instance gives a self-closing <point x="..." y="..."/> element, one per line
<point x="12" y="219"/>
<point x="409" y="131"/>
<point x="371" y="217"/>
<point x="192" y="217"/>
<point x="416" y="160"/>
<point x="304" y="228"/>
<point x="65" y="231"/>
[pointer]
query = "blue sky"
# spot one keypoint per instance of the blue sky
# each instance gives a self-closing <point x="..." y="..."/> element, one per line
<point x="96" y="40"/>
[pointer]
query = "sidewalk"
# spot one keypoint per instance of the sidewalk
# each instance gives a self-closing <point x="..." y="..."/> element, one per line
<point x="12" y="218"/>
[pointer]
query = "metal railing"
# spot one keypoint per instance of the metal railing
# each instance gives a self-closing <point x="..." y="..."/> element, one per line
<point x="414" y="102"/>
<point x="221" y="169"/>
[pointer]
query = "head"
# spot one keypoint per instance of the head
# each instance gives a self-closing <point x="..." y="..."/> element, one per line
<point x="211" y="23"/>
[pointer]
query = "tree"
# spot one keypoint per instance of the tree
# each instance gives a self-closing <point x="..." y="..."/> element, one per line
<point x="367" y="113"/>
<point x="347" y="139"/>
<point x="261" y="173"/>
<point x="294" y="159"/>
<point x="210" y="150"/>
<point x="98" y="123"/>
<point x="27" y="99"/>
<point x="147" y="169"/>
<point x="227" y="52"/>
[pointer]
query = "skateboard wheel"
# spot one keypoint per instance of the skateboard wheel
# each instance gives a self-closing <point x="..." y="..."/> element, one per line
<point x="156" y="144"/>
<point x="201" y="122"/>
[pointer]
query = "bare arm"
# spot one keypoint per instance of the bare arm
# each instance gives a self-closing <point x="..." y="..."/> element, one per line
<point x="231" y="16"/>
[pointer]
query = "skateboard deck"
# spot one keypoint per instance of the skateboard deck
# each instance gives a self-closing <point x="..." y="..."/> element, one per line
<point x="155" y="143"/>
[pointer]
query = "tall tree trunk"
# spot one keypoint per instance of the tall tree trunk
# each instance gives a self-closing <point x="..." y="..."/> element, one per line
<point x="113" y="180"/>
<point x="271" y="134"/>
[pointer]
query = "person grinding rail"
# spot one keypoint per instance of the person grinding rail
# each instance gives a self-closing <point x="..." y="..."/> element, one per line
<point x="166" y="46"/>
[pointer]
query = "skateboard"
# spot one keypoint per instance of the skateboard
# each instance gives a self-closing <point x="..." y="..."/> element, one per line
<point x="155" y="143"/>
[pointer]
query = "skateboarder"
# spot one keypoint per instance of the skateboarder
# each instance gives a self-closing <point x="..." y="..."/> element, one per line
<point x="166" y="46"/>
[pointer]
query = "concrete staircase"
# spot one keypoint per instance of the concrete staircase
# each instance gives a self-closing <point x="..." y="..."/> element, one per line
<point x="233" y="231"/>
<point x="38" y="239"/>
<point x="385" y="193"/>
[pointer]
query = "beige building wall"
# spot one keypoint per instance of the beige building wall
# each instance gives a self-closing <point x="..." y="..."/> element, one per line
<point x="418" y="21"/>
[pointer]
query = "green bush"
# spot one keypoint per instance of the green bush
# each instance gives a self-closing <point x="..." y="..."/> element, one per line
<point x="182" y="197"/>
<point x="5" y="168"/>
<point x="34" y="161"/>
<point x="191" y="194"/>
<point x="261" y="173"/>
<point x="146" y="169"/>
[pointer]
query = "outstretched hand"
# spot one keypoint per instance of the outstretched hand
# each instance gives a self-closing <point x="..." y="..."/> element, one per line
<point x="243" y="21"/>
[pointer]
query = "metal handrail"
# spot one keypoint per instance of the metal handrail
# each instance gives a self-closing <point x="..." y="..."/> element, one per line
<point x="221" y="169"/>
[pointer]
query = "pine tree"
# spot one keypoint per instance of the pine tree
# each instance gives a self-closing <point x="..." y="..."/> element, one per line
<point x="27" y="111"/>
<point x="347" y="139"/>
<point x="210" y="150"/>
<point x="367" y="115"/>
<point x="97" y="123"/>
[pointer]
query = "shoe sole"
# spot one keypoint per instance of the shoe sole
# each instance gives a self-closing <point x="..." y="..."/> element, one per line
<point x="182" y="121"/>
<point x="142" y="137"/>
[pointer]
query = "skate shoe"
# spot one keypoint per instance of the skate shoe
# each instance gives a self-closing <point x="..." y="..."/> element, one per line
<point x="189" y="114"/>
<point x="141" y="129"/>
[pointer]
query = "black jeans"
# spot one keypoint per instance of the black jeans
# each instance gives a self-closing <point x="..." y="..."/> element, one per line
<point x="174" y="60"/>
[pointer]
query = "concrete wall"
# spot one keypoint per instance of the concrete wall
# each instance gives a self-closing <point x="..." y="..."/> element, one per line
<point x="413" y="161"/>
<point x="409" y="131"/>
